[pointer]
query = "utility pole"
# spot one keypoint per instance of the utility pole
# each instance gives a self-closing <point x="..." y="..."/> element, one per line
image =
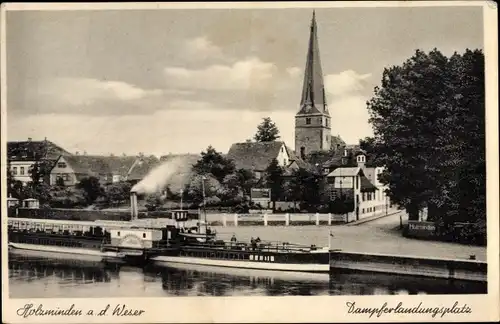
<point x="203" y="178"/>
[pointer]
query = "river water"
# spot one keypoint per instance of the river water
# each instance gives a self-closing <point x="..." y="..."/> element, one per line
<point x="35" y="276"/>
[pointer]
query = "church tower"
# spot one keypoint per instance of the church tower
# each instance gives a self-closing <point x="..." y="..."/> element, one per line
<point x="312" y="122"/>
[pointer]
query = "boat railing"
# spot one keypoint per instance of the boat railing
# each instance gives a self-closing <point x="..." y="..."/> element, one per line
<point x="263" y="246"/>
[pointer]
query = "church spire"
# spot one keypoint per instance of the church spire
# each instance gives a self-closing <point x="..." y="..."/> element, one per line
<point x="313" y="91"/>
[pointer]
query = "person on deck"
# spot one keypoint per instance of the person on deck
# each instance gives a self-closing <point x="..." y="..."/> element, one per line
<point x="233" y="238"/>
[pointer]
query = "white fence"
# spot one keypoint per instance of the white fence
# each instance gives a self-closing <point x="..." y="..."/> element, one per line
<point x="278" y="219"/>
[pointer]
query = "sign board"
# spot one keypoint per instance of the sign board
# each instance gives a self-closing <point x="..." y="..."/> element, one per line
<point x="260" y="193"/>
<point x="421" y="229"/>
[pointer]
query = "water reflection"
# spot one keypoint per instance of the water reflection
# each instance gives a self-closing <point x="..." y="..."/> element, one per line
<point x="49" y="276"/>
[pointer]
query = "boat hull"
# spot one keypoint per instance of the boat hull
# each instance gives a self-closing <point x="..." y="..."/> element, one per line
<point x="244" y="264"/>
<point x="71" y="252"/>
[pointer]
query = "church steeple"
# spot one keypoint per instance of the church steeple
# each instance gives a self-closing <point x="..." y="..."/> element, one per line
<point x="312" y="122"/>
<point x="313" y="90"/>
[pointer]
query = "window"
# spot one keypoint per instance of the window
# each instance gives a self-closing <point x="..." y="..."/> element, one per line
<point x="143" y="235"/>
<point x="345" y="152"/>
<point x="308" y="121"/>
<point x="363" y="196"/>
<point x="357" y="182"/>
<point x="361" y="158"/>
<point x="21" y="170"/>
<point x="326" y="121"/>
<point x="118" y="233"/>
<point x="362" y="211"/>
<point x="14" y="170"/>
<point x="61" y="165"/>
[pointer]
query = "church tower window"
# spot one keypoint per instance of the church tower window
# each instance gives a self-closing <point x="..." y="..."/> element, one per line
<point x="308" y="121"/>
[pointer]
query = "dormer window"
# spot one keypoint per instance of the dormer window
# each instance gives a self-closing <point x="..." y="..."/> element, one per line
<point x="61" y="165"/>
<point x="361" y="159"/>
<point x="308" y="121"/>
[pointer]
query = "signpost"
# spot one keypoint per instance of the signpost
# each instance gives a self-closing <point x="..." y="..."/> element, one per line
<point x="261" y="196"/>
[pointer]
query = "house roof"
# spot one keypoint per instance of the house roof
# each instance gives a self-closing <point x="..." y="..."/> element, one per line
<point x="29" y="150"/>
<point x="142" y="166"/>
<point x="120" y="165"/>
<point x="254" y="155"/>
<point x="345" y="172"/>
<point x="366" y="184"/>
<point x="88" y="164"/>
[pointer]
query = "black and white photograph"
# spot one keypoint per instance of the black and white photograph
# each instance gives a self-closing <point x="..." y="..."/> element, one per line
<point x="250" y="151"/>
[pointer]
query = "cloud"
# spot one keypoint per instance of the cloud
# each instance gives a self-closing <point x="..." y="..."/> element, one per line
<point x="84" y="91"/>
<point x="179" y="130"/>
<point x="201" y="48"/>
<point x="247" y="74"/>
<point x="346" y="83"/>
<point x="293" y="71"/>
<point x="347" y="105"/>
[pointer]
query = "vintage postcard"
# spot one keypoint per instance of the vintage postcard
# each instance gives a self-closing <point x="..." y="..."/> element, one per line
<point x="249" y="162"/>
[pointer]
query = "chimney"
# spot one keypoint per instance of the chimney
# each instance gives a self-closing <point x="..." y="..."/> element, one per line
<point x="77" y="153"/>
<point x="29" y="139"/>
<point x="134" y="212"/>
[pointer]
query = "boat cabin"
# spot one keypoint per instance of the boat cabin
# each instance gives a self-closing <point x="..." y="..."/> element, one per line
<point x="136" y="238"/>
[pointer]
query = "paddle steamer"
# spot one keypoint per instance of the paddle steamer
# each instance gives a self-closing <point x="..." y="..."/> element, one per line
<point x="163" y="240"/>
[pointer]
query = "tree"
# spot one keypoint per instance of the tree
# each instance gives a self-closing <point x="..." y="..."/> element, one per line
<point x="305" y="187"/>
<point x="153" y="202"/>
<point x="214" y="163"/>
<point x="267" y="131"/>
<point x="91" y="187"/>
<point x="61" y="197"/>
<point x="195" y="187"/>
<point x="428" y="121"/>
<point x="368" y="145"/>
<point x="237" y="185"/>
<point x="118" y="192"/>
<point x="274" y="181"/>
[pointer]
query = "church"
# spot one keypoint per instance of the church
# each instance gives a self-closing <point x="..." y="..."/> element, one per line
<point x="313" y="121"/>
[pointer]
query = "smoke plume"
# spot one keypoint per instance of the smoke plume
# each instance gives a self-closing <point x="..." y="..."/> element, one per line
<point x="156" y="180"/>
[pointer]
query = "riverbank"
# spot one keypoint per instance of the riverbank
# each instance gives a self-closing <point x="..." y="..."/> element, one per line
<point x="377" y="237"/>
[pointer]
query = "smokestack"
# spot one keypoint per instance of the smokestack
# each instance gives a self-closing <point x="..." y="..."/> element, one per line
<point x="134" y="212"/>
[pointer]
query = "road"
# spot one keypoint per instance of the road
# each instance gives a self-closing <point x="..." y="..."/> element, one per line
<point x="378" y="236"/>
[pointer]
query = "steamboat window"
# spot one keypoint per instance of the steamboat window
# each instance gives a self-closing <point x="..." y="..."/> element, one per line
<point x="272" y="258"/>
<point x="118" y="233"/>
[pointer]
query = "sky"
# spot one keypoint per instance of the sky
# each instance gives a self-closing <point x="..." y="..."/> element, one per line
<point x="177" y="81"/>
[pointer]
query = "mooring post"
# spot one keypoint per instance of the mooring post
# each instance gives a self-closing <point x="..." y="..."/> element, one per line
<point x="235" y="219"/>
<point x="317" y="219"/>
<point x="265" y="219"/>
<point x="224" y="221"/>
<point x="329" y="219"/>
<point x="287" y="219"/>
